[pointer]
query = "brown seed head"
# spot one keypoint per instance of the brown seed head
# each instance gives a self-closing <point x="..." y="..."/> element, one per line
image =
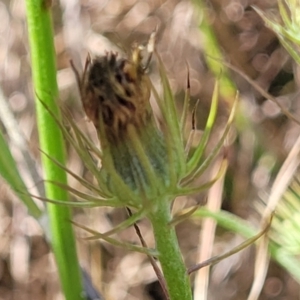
<point x="118" y="90"/>
<point x="115" y="94"/>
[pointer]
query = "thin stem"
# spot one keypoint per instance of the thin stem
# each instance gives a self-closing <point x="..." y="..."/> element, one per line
<point x="51" y="142"/>
<point x="170" y="258"/>
<point x="237" y="225"/>
<point x="213" y="52"/>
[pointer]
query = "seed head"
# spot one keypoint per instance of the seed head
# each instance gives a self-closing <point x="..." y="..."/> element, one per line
<point x="141" y="162"/>
<point x="115" y="93"/>
<point x="117" y="89"/>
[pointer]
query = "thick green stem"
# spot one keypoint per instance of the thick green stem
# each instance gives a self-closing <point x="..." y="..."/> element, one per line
<point x="51" y="142"/>
<point x="170" y="258"/>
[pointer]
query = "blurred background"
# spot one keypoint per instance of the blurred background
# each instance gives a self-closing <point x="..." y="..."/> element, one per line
<point x="260" y="142"/>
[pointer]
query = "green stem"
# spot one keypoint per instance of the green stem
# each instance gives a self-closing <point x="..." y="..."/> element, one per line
<point x="214" y="54"/>
<point x="51" y="141"/>
<point x="170" y="258"/>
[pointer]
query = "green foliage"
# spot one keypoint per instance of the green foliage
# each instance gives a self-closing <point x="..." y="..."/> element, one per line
<point x="287" y="27"/>
<point x="159" y="179"/>
<point x="11" y="174"/>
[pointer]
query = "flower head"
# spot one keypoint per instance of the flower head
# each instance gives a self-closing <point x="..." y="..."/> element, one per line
<point x="115" y="94"/>
<point x="141" y="161"/>
<point x="117" y="90"/>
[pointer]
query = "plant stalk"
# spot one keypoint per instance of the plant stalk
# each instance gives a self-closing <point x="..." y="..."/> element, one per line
<point x="170" y="257"/>
<point x="51" y="142"/>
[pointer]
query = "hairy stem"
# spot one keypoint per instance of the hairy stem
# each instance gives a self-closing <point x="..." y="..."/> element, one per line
<point x="170" y="258"/>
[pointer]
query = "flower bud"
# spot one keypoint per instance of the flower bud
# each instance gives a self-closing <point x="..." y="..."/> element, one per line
<point x="115" y="94"/>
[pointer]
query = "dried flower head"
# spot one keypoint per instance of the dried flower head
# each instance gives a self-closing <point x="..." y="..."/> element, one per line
<point x="141" y="162"/>
<point x="115" y="93"/>
<point x="119" y="90"/>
